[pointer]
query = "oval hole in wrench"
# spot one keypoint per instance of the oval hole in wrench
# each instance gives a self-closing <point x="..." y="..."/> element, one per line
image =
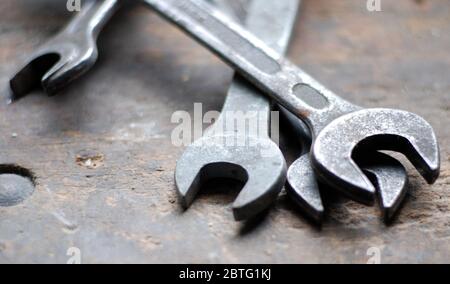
<point x="310" y="96"/>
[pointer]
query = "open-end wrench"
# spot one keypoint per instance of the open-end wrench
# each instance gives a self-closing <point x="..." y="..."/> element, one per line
<point x="66" y="56"/>
<point x="337" y="126"/>
<point x="257" y="160"/>
<point x="388" y="175"/>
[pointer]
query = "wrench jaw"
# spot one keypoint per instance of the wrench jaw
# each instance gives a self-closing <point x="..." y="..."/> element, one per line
<point x="394" y="190"/>
<point x="372" y="129"/>
<point x="345" y="175"/>
<point x="256" y="196"/>
<point x="67" y="71"/>
<point x="263" y="173"/>
<point x="189" y="187"/>
<point x="29" y="77"/>
<point x="390" y="178"/>
<point x="303" y="189"/>
<point x="57" y="63"/>
<point x="68" y="55"/>
<point x="386" y="173"/>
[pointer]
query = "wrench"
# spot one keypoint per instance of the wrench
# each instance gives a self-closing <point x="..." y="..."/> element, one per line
<point x="258" y="162"/>
<point x="66" y="56"/>
<point x="237" y="9"/>
<point x="388" y="175"/>
<point x="337" y="126"/>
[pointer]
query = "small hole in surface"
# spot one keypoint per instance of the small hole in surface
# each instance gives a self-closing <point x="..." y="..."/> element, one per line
<point x="16" y="185"/>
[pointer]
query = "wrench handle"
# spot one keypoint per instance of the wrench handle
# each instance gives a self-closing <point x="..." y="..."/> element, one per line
<point x="93" y="16"/>
<point x="261" y="65"/>
<point x="263" y="19"/>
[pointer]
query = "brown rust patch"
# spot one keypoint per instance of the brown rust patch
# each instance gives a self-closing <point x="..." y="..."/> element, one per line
<point x="90" y="160"/>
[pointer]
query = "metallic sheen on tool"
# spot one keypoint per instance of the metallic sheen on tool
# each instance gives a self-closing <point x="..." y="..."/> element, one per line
<point x="66" y="56"/>
<point x="337" y="126"/>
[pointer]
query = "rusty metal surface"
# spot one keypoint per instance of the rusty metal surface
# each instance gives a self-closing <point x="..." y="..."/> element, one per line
<point x="103" y="160"/>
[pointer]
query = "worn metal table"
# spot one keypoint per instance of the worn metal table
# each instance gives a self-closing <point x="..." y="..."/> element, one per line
<point x="121" y="206"/>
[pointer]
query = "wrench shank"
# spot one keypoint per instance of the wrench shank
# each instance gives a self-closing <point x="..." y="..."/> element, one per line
<point x="273" y="22"/>
<point x="260" y="64"/>
<point x="93" y="16"/>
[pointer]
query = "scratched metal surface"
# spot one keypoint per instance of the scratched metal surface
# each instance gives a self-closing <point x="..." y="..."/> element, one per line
<point x="122" y="207"/>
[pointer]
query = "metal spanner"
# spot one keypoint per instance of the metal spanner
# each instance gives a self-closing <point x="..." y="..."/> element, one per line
<point x="267" y="15"/>
<point x="66" y="56"/>
<point x="251" y="157"/>
<point x="338" y="127"/>
<point x="388" y="175"/>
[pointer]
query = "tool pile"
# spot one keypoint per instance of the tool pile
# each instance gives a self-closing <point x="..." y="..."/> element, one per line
<point x="341" y="140"/>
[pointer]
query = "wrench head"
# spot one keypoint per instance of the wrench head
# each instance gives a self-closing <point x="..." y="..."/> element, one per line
<point x="258" y="163"/>
<point x="55" y="64"/>
<point x="303" y="188"/>
<point x="368" y="130"/>
<point x="386" y="173"/>
<point x="390" y="179"/>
